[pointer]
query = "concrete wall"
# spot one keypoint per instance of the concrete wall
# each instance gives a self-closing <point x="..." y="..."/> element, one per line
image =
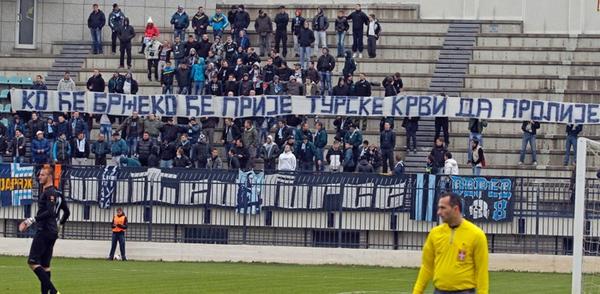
<point x="293" y="255"/>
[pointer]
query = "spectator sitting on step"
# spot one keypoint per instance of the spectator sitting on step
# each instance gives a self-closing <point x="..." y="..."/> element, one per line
<point x="66" y="84"/>
<point x="96" y="83"/>
<point x="39" y="83"/>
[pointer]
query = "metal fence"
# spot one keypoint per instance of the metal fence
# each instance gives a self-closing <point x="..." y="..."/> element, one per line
<point x="319" y="210"/>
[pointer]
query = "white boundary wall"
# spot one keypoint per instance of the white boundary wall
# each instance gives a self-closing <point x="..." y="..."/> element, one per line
<point x="281" y="254"/>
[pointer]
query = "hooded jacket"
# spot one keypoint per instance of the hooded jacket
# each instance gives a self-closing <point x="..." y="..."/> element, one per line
<point x="151" y="30"/>
<point x="287" y="162"/>
<point x="219" y="22"/>
<point x="198" y="70"/>
<point x="450" y="167"/>
<point x="349" y="64"/>
<point x="359" y="20"/>
<point x="126" y="33"/>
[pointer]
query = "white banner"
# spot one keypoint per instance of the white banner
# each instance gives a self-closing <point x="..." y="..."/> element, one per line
<point x="268" y="106"/>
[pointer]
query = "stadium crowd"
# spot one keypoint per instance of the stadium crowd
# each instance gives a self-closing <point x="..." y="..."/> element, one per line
<point x="226" y="64"/>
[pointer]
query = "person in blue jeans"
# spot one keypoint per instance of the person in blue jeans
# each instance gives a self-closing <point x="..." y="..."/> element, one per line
<point x="476" y="127"/>
<point x="96" y="22"/>
<point x="325" y="66"/>
<point x="571" y="141"/>
<point x="180" y="22"/>
<point x="341" y="27"/>
<point x="529" y="134"/>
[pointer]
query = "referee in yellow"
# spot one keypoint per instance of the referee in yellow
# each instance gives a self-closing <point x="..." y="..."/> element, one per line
<point x="455" y="254"/>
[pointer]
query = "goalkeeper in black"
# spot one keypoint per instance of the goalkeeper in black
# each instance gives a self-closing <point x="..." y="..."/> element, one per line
<point x="48" y="223"/>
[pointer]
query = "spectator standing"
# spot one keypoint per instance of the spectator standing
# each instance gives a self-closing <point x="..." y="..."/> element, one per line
<point x="282" y="20"/>
<point x="76" y="125"/>
<point x="152" y="54"/>
<point x="204" y="46"/>
<point x="334" y="157"/>
<point x="181" y="159"/>
<point x="153" y="125"/>
<point x="364" y="166"/>
<point x="219" y="23"/>
<point x="100" y="148"/>
<point x="411" y="124"/>
<point x="126" y="34"/>
<point x="214" y="162"/>
<point x="118" y="149"/>
<point x="81" y="150"/>
<point x="40" y="149"/>
<point x="184" y="79"/>
<point x="200" y="23"/>
<point x="146" y="147"/>
<point x="96" y="22"/>
<point x="150" y="33"/>
<point x="119" y="226"/>
<point x="305" y="40"/>
<point x="164" y="55"/>
<point x="179" y="52"/>
<point x="349" y="162"/>
<point x="362" y="88"/>
<point x="115" y="84"/>
<point x="200" y="152"/>
<point x="166" y="78"/>
<point x="39" y="83"/>
<point x="478" y="158"/>
<point x="96" y="82"/>
<point x="355" y="138"/>
<point x="387" y="141"/>
<point x="241" y="21"/>
<point x="61" y="151"/>
<point x="269" y="153"/>
<point x="450" y="165"/>
<point x="441" y="125"/>
<point x="180" y="22"/>
<point x="63" y="126"/>
<point x="373" y="31"/>
<point x="167" y="154"/>
<point x="476" y="127"/>
<point x="251" y="141"/>
<point x="529" y="135"/>
<point x="341" y="89"/>
<point x="325" y="66"/>
<point x="209" y="124"/>
<point x="115" y="22"/>
<point x="66" y="84"/>
<point x="231" y="134"/>
<point x="349" y="65"/>
<point x="198" y="76"/>
<point x="573" y="131"/>
<point x="320" y="25"/>
<point x="437" y="154"/>
<point x="320" y="141"/>
<point x="297" y="26"/>
<point x="264" y="29"/>
<point x="341" y="27"/>
<point x="133" y="128"/>
<point x="399" y="168"/>
<point x="241" y="154"/>
<point x="306" y="154"/>
<point x="34" y="125"/>
<point x="359" y="21"/>
<point x="185" y="144"/>
<point x="170" y="131"/>
<point x="287" y="159"/>
<point x="129" y="161"/>
<point x="49" y="131"/>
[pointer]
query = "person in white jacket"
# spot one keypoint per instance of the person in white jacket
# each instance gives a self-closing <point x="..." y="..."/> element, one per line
<point x="66" y="84"/>
<point x="287" y="160"/>
<point x="450" y="166"/>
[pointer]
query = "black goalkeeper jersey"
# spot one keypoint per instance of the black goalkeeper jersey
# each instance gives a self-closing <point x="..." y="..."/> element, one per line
<point x="50" y="203"/>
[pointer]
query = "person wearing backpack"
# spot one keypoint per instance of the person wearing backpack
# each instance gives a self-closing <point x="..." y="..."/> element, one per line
<point x="478" y="158"/>
<point x="373" y="31"/>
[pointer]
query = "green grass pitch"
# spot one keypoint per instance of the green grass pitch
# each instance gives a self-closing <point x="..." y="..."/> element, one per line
<point x="101" y="276"/>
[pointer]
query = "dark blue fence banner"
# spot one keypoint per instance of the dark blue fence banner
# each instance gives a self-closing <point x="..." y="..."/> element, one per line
<point x="16" y="183"/>
<point x="485" y="199"/>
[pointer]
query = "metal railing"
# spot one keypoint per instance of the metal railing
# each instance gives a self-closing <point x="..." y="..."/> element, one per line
<point x="296" y="209"/>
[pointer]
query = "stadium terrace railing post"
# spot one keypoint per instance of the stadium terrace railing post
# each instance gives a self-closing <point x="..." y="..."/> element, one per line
<point x="537" y="219"/>
<point x="340" y="217"/>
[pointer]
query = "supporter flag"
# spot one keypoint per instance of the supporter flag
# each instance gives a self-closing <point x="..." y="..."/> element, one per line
<point x="249" y="197"/>
<point x="424" y="199"/>
<point x="16" y="182"/>
<point x="108" y="184"/>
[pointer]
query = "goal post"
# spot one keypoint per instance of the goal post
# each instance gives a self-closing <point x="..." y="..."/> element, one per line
<point x="579" y="222"/>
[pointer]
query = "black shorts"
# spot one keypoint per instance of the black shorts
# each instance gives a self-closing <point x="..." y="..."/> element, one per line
<point x="41" y="248"/>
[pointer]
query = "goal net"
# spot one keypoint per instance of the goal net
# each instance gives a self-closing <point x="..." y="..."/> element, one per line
<point x="586" y="225"/>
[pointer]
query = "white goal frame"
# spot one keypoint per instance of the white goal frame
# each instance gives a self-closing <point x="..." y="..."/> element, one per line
<point x="579" y="218"/>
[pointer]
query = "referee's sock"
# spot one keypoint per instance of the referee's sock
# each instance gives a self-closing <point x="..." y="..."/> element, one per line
<point x="44" y="279"/>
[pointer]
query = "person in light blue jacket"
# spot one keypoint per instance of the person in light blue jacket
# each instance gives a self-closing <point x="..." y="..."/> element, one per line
<point x="219" y="22"/>
<point x="198" y="76"/>
<point x="118" y="149"/>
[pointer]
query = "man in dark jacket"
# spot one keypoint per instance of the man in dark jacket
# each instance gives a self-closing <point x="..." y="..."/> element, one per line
<point x="571" y="141"/>
<point x="200" y="152"/>
<point x="96" y="22"/>
<point x="282" y="133"/>
<point x="411" y="124"/>
<point x="184" y="78"/>
<point x="203" y="47"/>
<point x="241" y="21"/>
<point x="441" y="125"/>
<point x="264" y="29"/>
<point x="35" y="125"/>
<point x="170" y="131"/>
<point x="80" y="149"/>
<point x="180" y="22"/>
<point x="362" y="88"/>
<point x="100" y="148"/>
<point x="305" y="40"/>
<point x="178" y="51"/>
<point x="126" y="33"/>
<point x="387" y="141"/>
<point x="200" y="24"/>
<point x="96" y="83"/>
<point x="297" y="26"/>
<point x="319" y="26"/>
<point x="115" y="22"/>
<point x="437" y="154"/>
<point x="231" y="134"/>
<point x="305" y="151"/>
<point x="281" y="22"/>
<point x="325" y="66"/>
<point x="146" y="147"/>
<point x="341" y="27"/>
<point x="529" y="135"/>
<point x="133" y="128"/>
<point x="359" y="21"/>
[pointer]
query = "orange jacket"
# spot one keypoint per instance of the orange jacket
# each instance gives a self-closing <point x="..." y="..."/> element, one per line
<point x="151" y="31"/>
<point x="119" y="223"/>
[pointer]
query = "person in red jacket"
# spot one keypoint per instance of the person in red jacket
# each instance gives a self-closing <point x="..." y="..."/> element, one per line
<point x="150" y="31"/>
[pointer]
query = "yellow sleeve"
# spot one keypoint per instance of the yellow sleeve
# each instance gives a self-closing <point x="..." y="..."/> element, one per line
<point x="426" y="271"/>
<point x="481" y="266"/>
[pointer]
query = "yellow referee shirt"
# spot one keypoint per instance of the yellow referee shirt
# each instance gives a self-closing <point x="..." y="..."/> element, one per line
<point x="456" y="259"/>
